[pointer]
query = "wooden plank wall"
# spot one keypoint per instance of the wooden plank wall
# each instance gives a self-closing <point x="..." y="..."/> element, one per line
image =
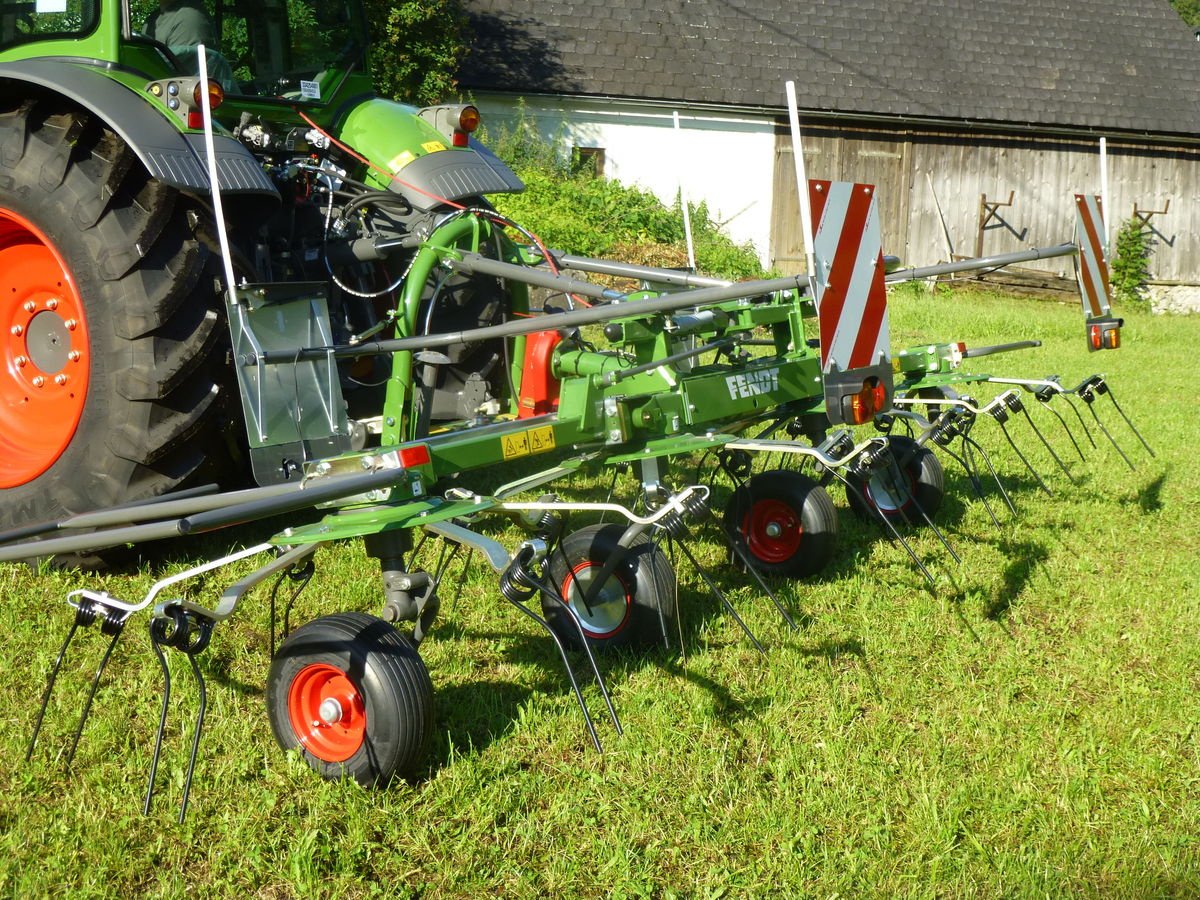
<point x="925" y="177"/>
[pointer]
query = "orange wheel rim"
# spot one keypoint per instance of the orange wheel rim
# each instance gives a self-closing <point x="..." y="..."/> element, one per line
<point x="327" y="713"/>
<point x="772" y="530"/>
<point x="44" y="355"/>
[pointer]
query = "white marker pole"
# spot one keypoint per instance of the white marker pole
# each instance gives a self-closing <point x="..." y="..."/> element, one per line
<point x="1104" y="192"/>
<point x="806" y="225"/>
<point x="214" y="181"/>
<point x="683" y="199"/>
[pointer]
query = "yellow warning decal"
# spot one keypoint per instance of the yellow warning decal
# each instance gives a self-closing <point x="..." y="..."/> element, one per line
<point x="541" y="440"/>
<point x="433" y="146"/>
<point x="400" y="161"/>
<point x="515" y="445"/>
<point x="535" y="440"/>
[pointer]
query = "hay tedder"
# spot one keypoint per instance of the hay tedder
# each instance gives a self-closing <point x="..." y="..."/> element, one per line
<point x="415" y="365"/>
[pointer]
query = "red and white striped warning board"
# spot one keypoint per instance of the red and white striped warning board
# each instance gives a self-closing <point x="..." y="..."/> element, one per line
<point x="848" y="279"/>
<point x="1095" y="292"/>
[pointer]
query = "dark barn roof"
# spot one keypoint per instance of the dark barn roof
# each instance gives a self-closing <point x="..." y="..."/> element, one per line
<point x="1111" y="65"/>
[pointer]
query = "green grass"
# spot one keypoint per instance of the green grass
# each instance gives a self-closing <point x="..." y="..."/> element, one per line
<point x="1026" y="728"/>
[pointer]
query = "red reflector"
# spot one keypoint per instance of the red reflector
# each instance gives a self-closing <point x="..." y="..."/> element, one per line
<point x="1097" y="338"/>
<point x="195" y="119"/>
<point x="417" y="455"/>
<point x="460" y="139"/>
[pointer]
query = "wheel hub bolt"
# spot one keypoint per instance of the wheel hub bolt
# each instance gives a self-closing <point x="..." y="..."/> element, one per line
<point x="21" y="361"/>
<point x="30" y="306"/>
<point x="73" y="356"/>
<point x="52" y="304"/>
<point x="330" y="711"/>
<point x="71" y="324"/>
<point x="17" y="331"/>
<point x="60" y="379"/>
<point x="38" y="381"/>
<point x="774" y="529"/>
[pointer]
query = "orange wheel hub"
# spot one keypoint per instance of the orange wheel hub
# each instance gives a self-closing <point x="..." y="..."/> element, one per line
<point x="772" y="530"/>
<point x="327" y="713"/>
<point x="44" y="359"/>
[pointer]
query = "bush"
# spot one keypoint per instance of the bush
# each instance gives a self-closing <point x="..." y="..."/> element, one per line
<point x="570" y="208"/>
<point x="1130" y="269"/>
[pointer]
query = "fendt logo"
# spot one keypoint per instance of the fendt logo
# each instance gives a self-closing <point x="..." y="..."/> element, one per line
<point x="752" y="384"/>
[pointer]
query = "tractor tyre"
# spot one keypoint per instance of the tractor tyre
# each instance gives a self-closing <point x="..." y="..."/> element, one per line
<point x="783" y="523"/>
<point x="353" y="694"/>
<point x="901" y="492"/>
<point x="113" y="335"/>
<point x="635" y="606"/>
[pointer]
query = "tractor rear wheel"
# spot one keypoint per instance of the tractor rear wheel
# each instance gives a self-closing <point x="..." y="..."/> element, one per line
<point x="111" y="323"/>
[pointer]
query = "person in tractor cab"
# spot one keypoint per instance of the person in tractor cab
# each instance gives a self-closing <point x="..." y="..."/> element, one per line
<point x="182" y="25"/>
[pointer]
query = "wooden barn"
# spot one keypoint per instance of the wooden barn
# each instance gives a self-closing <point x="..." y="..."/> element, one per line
<point x="978" y="119"/>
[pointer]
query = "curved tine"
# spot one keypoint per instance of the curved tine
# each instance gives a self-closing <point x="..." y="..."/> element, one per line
<point x="1045" y="443"/>
<point x="719" y="594"/>
<point x="976" y="484"/>
<point x="741" y="554"/>
<point x="1021" y="456"/>
<point x="1092" y="409"/>
<point x="887" y="524"/>
<point x="1082" y="424"/>
<point x="562" y="651"/>
<point x="191" y="769"/>
<point x="1047" y="404"/>
<point x="977" y="448"/>
<point x="662" y="619"/>
<point x="896" y="488"/>
<point x="551" y="591"/>
<point x="162" y="724"/>
<point x="62" y="654"/>
<point x="87" y="704"/>
<point x="1128" y="421"/>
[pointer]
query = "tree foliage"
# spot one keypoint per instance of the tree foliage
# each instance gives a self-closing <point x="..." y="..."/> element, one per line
<point x="1130" y="269"/>
<point x="416" y="47"/>
<point x="1189" y="10"/>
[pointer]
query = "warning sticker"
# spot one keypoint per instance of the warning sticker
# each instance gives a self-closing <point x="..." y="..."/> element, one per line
<point x="515" y="445"/>
<point x="433" y="146"/>
<point x="541" y="440"/>
<point x="535" y="440"/>
<point x="310" y="90"/>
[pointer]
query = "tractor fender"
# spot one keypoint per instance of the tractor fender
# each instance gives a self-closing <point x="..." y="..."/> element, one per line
<point x="171" y="156"/>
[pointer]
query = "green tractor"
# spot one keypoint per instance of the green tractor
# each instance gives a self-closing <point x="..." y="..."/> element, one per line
<point x="115" y="383"/>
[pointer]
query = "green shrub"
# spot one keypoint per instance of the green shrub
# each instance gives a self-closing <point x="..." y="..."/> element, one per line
<point x="570" y="208"/>
<point x="1130" y="269"/>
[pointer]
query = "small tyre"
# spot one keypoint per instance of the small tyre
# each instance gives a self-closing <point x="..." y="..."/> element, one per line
<point x="784" y="523"/>
<point x="914" y="484"/>
<point x="353" y="694"/>
<point x="635" y="606"/>
<point x="112" y="324"/>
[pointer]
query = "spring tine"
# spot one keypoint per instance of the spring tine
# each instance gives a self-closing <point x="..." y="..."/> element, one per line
<point x="976" y="484"/>
<point x="554" y="595"/>
<point x="719" y="594"/>
<point x="117" y="629"/>
<point x="1092" y="409"/>
<point x="1082" y="424"/>
<point x="1021" y="456"/>
<point x="1045" y="443"/>
<point x="974" y="445"/>
<point x="746" y="562"/>
<point x="562" y="651"/>
<point x="162" y="723"/>
<point x="191" y="769"/>
<point x="62" y="654"/>
<point x="1066" y="428"/>
<point x="892" y="476"/>
<point x="1128" y="421"/>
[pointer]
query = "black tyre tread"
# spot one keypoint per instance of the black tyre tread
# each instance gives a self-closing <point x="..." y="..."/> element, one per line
<point x="414" y="700"/>
<point x="817" y="514"/>
<point x="154" y="313"/>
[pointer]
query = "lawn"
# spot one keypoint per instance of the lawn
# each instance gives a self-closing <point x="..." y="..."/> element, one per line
<point x="1027" y="726"/>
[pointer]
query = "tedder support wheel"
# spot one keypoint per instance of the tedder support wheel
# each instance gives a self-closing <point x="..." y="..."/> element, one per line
<point x="913" y="485"/>
<point x="351" y="692"/>
<point x="111" y="322"/>
<point x="634" y="607"/>
<point x="783" y="522"/>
